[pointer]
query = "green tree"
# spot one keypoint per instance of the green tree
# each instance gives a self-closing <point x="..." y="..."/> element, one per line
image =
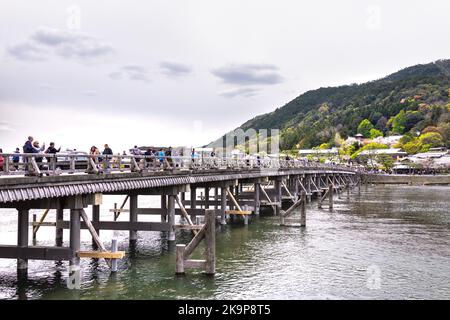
<point x="375" y="133"/>
<point x="386" y="161"/>
<point x="399" y="122"/>
<point x="433" y="139"/>
<point x="364" y="128"/>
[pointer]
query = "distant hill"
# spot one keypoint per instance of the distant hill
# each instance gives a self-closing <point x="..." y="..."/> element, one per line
<point x="321" y="116"/>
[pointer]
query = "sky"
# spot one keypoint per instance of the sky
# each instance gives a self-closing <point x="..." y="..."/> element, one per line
<point x="184" y="72"/>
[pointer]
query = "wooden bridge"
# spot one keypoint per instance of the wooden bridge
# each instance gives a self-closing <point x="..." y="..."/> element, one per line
<point x="220" y="189"/>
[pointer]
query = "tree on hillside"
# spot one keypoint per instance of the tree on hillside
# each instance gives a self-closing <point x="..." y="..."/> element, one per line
<point x="375" y="133"/>
<point x="364" y="128"/>
<point x="399" y="122"/>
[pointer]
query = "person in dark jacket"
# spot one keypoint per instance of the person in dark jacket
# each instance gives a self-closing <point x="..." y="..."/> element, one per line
<point x="108" y="152"/>
<point x="16" y="158"/>
<point x="52" y="150"/>
<point x="28" y="146"/>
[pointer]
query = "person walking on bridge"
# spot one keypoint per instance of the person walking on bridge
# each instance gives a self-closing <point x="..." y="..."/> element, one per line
<point x="108" y="153"/>
<point x="52" y="150"/>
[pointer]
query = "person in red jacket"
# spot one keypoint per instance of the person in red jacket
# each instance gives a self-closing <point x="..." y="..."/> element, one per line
<point x="1" y="160"/>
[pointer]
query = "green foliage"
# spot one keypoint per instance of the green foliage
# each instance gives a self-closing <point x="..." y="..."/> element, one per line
<point x="365" y="127"/>
<point x="399" y="122"/>
<point x="386" y="161"/>
<point x="433" y="139"/>
<point x="405" y="102"/>
<point x="375" y="133"/>
<point x="369" y="146"/>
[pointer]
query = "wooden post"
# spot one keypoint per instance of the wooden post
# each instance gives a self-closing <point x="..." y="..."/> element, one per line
<point x="223" y="205"/>
<point x="163" y="208"/>
<point x="171" y="216"/>
<point x="193" y="201"/>
<point x="278" y="197"/>
<point x="22" y="241"/>
<point x="75" y="236"/>
<point x="114" y="261"/>
<point x="33" y="228"/>
<point x="216" y="198"/>
<point x="330" y="196"/>
<point x="257" y="204"/>
<point x="303" y="209"/>
<point x="179" y="269"/>
<point x="296" y="188"/>
<point x="308" y="187"/>
<point x="210" y="242"/>
<point x="59" y="232"/>
<point x="206" y="197"/>
<point x="96" y="218"/>
<point x="133" y="216"/>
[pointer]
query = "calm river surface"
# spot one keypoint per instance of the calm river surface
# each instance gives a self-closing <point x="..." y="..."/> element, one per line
<point x="390" y="242"/>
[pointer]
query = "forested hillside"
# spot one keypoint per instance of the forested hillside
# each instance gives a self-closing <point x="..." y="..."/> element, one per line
<point x="411" y="101"/>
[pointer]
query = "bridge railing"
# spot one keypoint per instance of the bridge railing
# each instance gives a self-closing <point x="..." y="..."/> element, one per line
<point x="37" y="164"/>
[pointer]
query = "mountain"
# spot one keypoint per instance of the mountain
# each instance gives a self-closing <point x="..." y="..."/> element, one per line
<point x="420" y="94"/>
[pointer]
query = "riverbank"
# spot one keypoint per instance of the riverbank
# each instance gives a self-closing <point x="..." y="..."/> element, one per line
<point x="408" y="179"/>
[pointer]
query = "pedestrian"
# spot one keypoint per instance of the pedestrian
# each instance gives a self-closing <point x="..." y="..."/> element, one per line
<point x="108" y="153"/>
<point x="28" y="146"/>
<point x="168" y="155"/>
<point x="2" y="160"/>
<point x="16" y="158"/>
<point x="52" y="150"/>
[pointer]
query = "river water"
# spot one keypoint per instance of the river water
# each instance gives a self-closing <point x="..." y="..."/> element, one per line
<point x="389" y="242"/>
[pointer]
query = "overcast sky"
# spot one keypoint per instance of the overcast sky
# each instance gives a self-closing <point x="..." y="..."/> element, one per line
<point x="184" y="72"/>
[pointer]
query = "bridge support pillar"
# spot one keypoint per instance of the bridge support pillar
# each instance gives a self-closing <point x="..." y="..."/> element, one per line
<point x="22" y="241"/>
<point x="216" y="198"/>
<point x="163" y="208"/>
<point x="75" y="238"/>
<point x="206" y="197"/>
<point x="257" y="204"/>
<point x="278" y="197"/>
<point x="171" y="216"/>
<point x="59" y="232"/>
<point x="330" y="196"/>
<point x="96" y="218"/>
<point x="303" y="209"/>
<point x="308" y="187"/>
<point x="133" y="217"/>
<point x="223" y="205"/>
<point x="296" y="187"/>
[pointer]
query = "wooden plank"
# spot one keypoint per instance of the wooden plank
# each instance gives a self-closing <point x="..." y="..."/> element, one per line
<point x="101" y="255"/>
<point x="187" y="226"/>
<point x="194" y="242"/>
<point x="185" y="214"/>
<point x="122" y="225"/>
<point x="233" y="199"/>
<point x="244" y="212"/>
<point x="36" y="228"/>
<point x="194" y="263"/>
<point x="35" y="252"/>
<point x="43" y="224"/>
<point x="91" y="229"/>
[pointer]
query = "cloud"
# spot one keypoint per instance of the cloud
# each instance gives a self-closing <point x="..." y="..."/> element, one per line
<point x="132" y="72"/>
<point x="244" y="92"/>
<point x="249" y="74"/>
<point x="5" y="126"/>
<point x="174" y="69"/>
<point x="70" y="44"/>
<point x="27" y="52"/>
<point x="65" y="43"/>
